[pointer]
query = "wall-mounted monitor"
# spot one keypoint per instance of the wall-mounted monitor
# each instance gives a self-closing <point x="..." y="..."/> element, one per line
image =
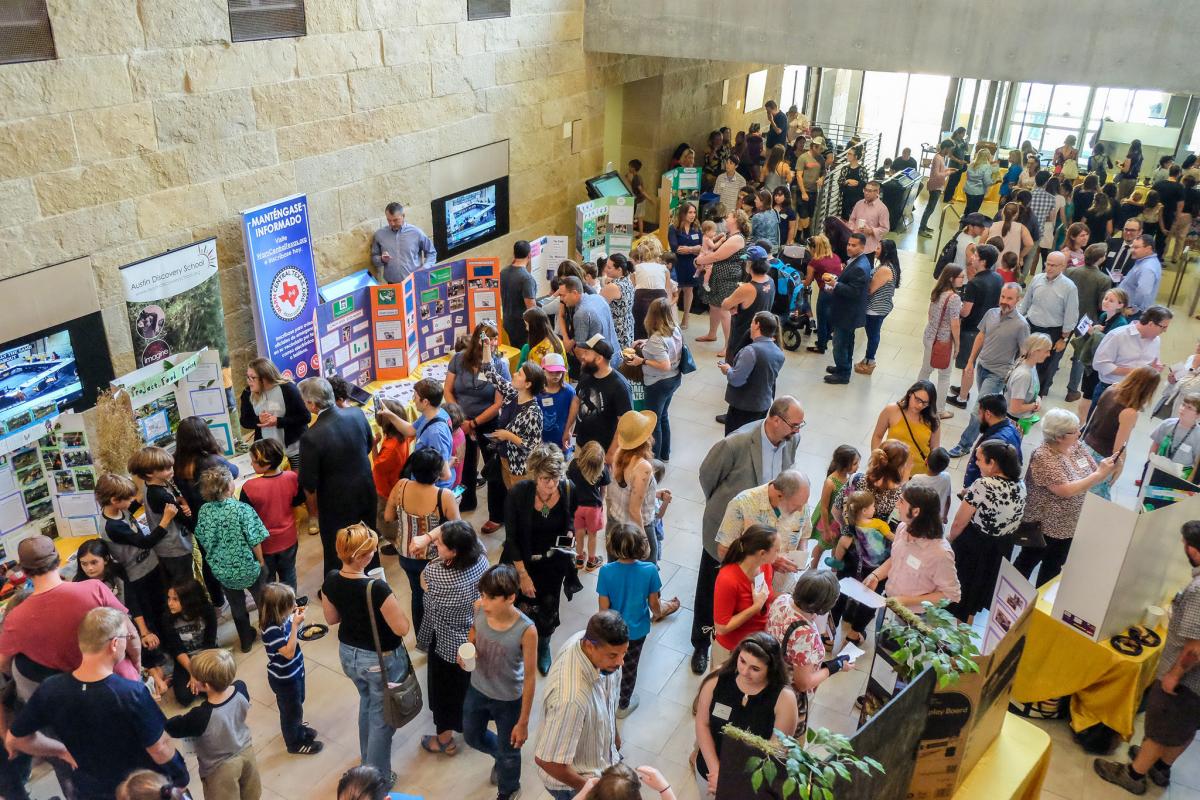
<point x="51" y="371"/>
<point x="610" y="184"/>
<point x="470" y="217"/>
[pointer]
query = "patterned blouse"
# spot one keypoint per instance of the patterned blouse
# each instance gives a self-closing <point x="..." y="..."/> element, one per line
<point x="1047" y="468"/>
<point x="526" y="422"/>
<point x="622" y="312"/>
<point x="450" y="597"/>
<point x="804" y="648"/>
<point x="885" y="499"/>
<point x="229" y="530"/>
<point x="998" y="504"/>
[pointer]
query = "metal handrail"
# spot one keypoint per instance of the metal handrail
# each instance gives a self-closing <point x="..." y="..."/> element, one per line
<point x="937" y="248"/>
<point x="829" y="196"/>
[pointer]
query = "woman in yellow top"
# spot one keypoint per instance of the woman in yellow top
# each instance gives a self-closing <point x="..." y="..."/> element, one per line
<point x="913" y="421"/>
<point x="542" y="338"/>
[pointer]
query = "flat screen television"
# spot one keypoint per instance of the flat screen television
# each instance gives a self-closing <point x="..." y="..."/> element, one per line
<point x="610" y="184"/>
<point x="53" y="370"/>
<point x="470" y="217"/>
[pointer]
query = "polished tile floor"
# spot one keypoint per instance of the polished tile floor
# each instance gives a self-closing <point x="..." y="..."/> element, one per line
<point x="660" y="732"/>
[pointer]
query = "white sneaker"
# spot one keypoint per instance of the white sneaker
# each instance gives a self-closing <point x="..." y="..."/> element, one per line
<point x="622" y="713"/>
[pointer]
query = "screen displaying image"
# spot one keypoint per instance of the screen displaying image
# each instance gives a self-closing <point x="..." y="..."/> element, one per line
<point x="470" y="216"/>
<point x="36" y="380"/>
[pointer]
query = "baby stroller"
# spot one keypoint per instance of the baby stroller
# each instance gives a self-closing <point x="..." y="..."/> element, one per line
<point x="791" y="304"/>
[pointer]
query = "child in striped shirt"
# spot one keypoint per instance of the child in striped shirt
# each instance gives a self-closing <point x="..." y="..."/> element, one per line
<point x="280" y="619"/>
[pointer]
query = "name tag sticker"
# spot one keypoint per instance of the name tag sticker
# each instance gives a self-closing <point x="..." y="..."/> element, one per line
<point x="721" y="711"/>
<point x="913" y="562"/>
<point x="548" y="402"/>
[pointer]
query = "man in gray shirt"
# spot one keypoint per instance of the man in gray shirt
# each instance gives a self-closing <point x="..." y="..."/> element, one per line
<point x="398" y="250"/>
<point x="1001" y="334"/>
<point x="518" y="292"/>
<point x="1051" y="304"/>
<point x="592" y="316"/>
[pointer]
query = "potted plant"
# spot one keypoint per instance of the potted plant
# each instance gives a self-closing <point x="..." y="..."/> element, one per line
<point x="809" y="770"/>
<point x="939" y="641"/>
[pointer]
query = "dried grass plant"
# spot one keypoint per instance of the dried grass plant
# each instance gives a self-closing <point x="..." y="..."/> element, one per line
<point x="117" y="436"/>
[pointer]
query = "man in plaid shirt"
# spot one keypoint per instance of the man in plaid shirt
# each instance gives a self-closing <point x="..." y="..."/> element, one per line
<point x="1173" y="704"/>
<point x="1041" y="204"/>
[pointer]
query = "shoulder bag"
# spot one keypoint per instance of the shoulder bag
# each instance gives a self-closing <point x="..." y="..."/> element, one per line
<point x="687" y="364"/>
<point x="940" y="353"/>
<point x="402" y="703"/>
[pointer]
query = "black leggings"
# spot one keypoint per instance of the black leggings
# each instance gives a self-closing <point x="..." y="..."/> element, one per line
<point x="447" y="683"/>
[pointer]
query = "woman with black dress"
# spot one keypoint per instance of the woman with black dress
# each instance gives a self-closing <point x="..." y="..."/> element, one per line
<point x="987" y="518"/>
<point x="539" y="518"/>
<point x="852" y="181"/>
<point x="750" y="691"/>
<point x="196" y="449"/>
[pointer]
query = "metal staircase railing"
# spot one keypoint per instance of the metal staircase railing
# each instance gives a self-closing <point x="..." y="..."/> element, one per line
<point x="829" y="198"/>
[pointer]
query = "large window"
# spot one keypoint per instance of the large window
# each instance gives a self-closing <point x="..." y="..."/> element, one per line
<point x="1045" y="114"/>
<point x="25" y="32"/>
<point x="906" y="110"/>
<point x="795" y="87"/>
<point x="251" y="20"/>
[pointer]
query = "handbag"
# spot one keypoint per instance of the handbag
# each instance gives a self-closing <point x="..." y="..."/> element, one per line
<point x="1029" y="534"/>
<point x="941" y="351"/>
<point x="402" y="703"/>
<point x="687" y="364"/>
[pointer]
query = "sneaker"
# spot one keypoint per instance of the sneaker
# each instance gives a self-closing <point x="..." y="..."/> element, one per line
<point x="954" y="401"/>
<point x="954" y="390"/>
<point x="634" y="702"/>
<point x="1160" y="776"/>
<point x="307" y="749"/>
<point x="925" y="233"/>
<point x="513" y="795"/>
<point x="957" y="452"/>
<point x="1118" y="773"/>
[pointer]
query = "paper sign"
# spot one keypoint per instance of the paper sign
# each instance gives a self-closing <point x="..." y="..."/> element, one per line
<point x="207" y="402"/>
<point x="852" y="651"/>
<point x="1085" y="322"/>
<point x="78" y="504"/>
<point x="12" y="512"/>
<point x="856" y="591"/>
<point x="883" y="674"/>
<point x="8" y="482"/>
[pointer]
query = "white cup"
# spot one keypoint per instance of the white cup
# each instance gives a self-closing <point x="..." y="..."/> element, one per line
<point x="1154" y="617"/>
<point x="466" y="651"/>
<point x="376" y="574"/>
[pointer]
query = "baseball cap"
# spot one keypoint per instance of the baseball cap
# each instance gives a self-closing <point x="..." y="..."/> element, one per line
<point x="756" y="253"/>
<point x="36" y="553"/>
<point x="976" y="219"/>
<point x="598" y="345"/>
<point x="553" y="362"/>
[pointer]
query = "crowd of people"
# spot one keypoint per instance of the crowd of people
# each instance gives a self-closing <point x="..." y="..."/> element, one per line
<point x="574" y="474"/>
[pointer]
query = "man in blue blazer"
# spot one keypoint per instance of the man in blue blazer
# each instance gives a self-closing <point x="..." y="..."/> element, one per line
<point x="849" y="292"/>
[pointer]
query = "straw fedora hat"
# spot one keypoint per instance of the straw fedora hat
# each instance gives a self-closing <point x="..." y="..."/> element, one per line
<point x="634" y="428"/>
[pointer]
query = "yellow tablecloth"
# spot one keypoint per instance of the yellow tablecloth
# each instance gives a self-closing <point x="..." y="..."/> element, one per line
<point x="1104" y="685"/>
<point x="1013" y="768"/>
<point x="993" y="192"/>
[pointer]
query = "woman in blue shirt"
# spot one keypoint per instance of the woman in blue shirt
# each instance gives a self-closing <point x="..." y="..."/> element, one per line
<point x="685" y="240"/>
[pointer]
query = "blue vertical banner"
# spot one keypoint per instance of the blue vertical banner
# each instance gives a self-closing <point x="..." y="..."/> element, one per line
<point x="283" y="284"/>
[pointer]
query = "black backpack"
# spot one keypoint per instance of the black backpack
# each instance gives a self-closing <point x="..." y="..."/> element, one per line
<point x="949" y="251"/>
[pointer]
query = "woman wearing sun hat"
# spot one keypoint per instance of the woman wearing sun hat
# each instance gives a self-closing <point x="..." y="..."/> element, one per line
<point x="631" y="493"/>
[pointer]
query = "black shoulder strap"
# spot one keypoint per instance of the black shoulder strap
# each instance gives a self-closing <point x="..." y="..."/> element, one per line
<point x="787" y="635"/>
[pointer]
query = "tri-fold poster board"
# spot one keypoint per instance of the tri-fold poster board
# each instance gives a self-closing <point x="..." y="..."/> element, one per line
<point x="385" y="332"/>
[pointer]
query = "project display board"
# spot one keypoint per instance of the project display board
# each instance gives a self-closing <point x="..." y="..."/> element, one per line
<point x="283" y="284"/>
<point x="394" y="324"/>
<point x="167" y="391"/>
<point x="545" y="254"/>
<point x="441" y="296"/>
<point x="483" y="281"/>
<point x="345" y="338"/>
<point x="604" y="225"/>
<point x="174" y="303"/>
<point x="682" y="184"/>
<point x="1123" y="561"/>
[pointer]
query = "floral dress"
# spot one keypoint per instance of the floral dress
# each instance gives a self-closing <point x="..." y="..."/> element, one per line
<point x="622" y="312"/>
<point x="726" y="275"/>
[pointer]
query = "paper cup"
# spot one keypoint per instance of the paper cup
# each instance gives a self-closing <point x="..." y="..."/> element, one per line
<point x="1154" y="617"/>
<point x="466" y="652"/>
<point x="376" y="574"/>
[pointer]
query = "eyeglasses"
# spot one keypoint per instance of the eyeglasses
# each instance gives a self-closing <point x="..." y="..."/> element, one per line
<point x="124" y="636"/>
<point x="918" y="399"/>
<point x="795" y="426"/>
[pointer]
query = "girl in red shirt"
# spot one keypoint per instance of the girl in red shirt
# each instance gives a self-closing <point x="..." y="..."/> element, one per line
<point x="743" y="588"/>
<point x="391" y="453"/>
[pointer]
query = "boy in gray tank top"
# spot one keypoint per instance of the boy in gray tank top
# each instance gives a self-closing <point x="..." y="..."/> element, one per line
<point x="502" y="676"/>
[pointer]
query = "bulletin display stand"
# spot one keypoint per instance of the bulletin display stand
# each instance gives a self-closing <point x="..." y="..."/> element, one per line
<point x="604" y="226"/>
<point x="678" y="186"/>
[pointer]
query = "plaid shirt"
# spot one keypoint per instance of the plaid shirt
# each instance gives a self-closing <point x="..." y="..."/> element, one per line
<point x="1042" y="205"/>
<point x="1183" y="627"/>
<point x="450" y="605"/>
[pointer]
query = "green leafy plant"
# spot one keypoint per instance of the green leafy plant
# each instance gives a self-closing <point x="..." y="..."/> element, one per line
<point x="939" y="641"/>
<point x="812" y="767"/>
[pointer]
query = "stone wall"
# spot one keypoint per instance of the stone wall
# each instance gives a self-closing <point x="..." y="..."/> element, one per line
<point x="152" y="130"/>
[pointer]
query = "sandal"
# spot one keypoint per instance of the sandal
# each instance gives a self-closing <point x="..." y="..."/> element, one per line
<point x="668" y="608"/>
<point x="946" y="415"/>
<point x="432" y="744"/>
<point x="714" y="338"/>
<point x="593" y="564"/>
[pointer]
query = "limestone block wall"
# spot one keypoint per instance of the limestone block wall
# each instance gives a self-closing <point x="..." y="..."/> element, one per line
<point x="152" y="130"/>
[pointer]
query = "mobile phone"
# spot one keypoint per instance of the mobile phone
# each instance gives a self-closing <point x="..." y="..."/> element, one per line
<point x="1120" y="452"/>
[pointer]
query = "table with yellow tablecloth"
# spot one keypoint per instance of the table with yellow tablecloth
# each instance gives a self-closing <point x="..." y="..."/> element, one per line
<point x="1014" y="767"/>
<point x="1104" y="685"/>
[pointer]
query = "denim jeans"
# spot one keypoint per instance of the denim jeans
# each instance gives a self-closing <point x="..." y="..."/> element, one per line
<point x="974" y="201"/>
<point x="930" y="205"/>
<point x="1047" y="369"/>
<point x="374" y="735"/>
<point x="478" y="710"/>
<point x="658" y="400"/>
<point x="824" y="309"/>
<point x="874" y="326"/>
<point x="985" y="383"/>
<point x="281" y="566"/>
<point x="289" y="696"/>
<point x="413" y="567"/>
<point x="843" y="351"/>
<point x="562" y="794"/>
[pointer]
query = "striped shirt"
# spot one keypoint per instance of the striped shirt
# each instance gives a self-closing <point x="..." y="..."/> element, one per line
<point x="279" y="666"/>
<point x="579" y="723"/>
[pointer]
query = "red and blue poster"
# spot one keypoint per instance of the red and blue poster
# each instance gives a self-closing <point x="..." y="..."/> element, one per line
<point x="283" y="284"/>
